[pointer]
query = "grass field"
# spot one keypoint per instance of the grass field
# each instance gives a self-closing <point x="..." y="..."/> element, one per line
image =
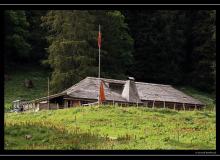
<point x="111" y="127"/>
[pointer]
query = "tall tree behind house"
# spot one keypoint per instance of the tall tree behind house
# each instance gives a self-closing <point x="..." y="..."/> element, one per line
<point x="24" y="41"/>
<point x="70" y="54"/>
<point x="37" y="35"/>
<point x="203" y="53"/>
<point x="73" y="50"/>
<point x="16" y="46"/>
<point x="117" y="44"/>
<point x="159" y="44"/>
<point x="174" y="46"/>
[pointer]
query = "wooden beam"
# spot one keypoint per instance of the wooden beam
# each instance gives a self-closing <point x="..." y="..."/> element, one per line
<point x="174" y="106"/>
<point x="164" y="105"/>
<point x="153" y="103"/>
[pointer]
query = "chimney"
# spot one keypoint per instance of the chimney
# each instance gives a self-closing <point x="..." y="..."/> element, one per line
<point x="130" y="92"/>
<point x="131" y="78"/>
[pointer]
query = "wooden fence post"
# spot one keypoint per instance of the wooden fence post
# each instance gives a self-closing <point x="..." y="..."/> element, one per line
<point x="153" y="103"/>
<point x="195" y="107"/>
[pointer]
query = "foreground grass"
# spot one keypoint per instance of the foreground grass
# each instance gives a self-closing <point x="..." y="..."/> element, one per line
<point x="111" y="127"/>
<point x="50" y="137"/>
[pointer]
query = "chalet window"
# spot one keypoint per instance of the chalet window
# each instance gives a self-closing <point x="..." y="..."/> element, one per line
<point x="116" y="87"/>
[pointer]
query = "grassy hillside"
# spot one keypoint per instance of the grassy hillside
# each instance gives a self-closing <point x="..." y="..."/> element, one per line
<point x="110" y="127"/>
<point x="14" y="89"/>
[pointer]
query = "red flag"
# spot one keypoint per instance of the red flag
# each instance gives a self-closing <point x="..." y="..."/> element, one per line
<point x="101" y="93"/>
<point x="99" y="39"/>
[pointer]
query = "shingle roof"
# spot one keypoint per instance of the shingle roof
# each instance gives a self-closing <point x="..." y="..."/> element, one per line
<point x="167" y="93"/>
<point x="88" y="88"/>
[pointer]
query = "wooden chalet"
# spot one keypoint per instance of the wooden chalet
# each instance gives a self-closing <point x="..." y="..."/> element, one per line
<point x="121" y="92"/>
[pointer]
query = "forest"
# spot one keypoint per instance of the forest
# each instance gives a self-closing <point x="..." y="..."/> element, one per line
<point x="176" y="47"/>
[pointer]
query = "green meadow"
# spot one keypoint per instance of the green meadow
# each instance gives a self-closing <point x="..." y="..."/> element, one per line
<point x="111" y="127"/>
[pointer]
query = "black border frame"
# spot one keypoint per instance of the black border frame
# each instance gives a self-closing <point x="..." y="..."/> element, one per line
<point x="102" y="152"/>
<point x="110" y="2"/>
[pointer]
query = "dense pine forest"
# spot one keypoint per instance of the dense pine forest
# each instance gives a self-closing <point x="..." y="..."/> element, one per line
<point x="175" y="47"/>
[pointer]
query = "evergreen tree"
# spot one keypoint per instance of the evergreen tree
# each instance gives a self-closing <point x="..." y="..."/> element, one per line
<point x="70" y="54"/>
<point x="117" y="44"/>
<point x="159" y="45"/>
<point x="203" y="53"/>
<point x="16" y="47"/>
<point x="37" y="35"/>
<point x="174" y="46"/>
<point x="73" y="50"/>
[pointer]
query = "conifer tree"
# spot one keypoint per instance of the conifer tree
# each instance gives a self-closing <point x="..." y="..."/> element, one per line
<point x="16" y="46"/>
<point x="71" y="56"/>
<point x="73" y="50"/>
<point x="203" y="53"/>
<point x="117" y="44"/>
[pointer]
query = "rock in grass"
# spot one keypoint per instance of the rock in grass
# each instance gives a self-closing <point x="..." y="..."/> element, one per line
<point x="28" y="83"/>
<point x="112" y="138"/>
<point x="28" y="137"/>
<point x="7" y="77"/>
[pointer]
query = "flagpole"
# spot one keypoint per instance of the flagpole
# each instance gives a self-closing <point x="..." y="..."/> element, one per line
<point x="99" y="55"/>
<point x="99" y="65"/>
